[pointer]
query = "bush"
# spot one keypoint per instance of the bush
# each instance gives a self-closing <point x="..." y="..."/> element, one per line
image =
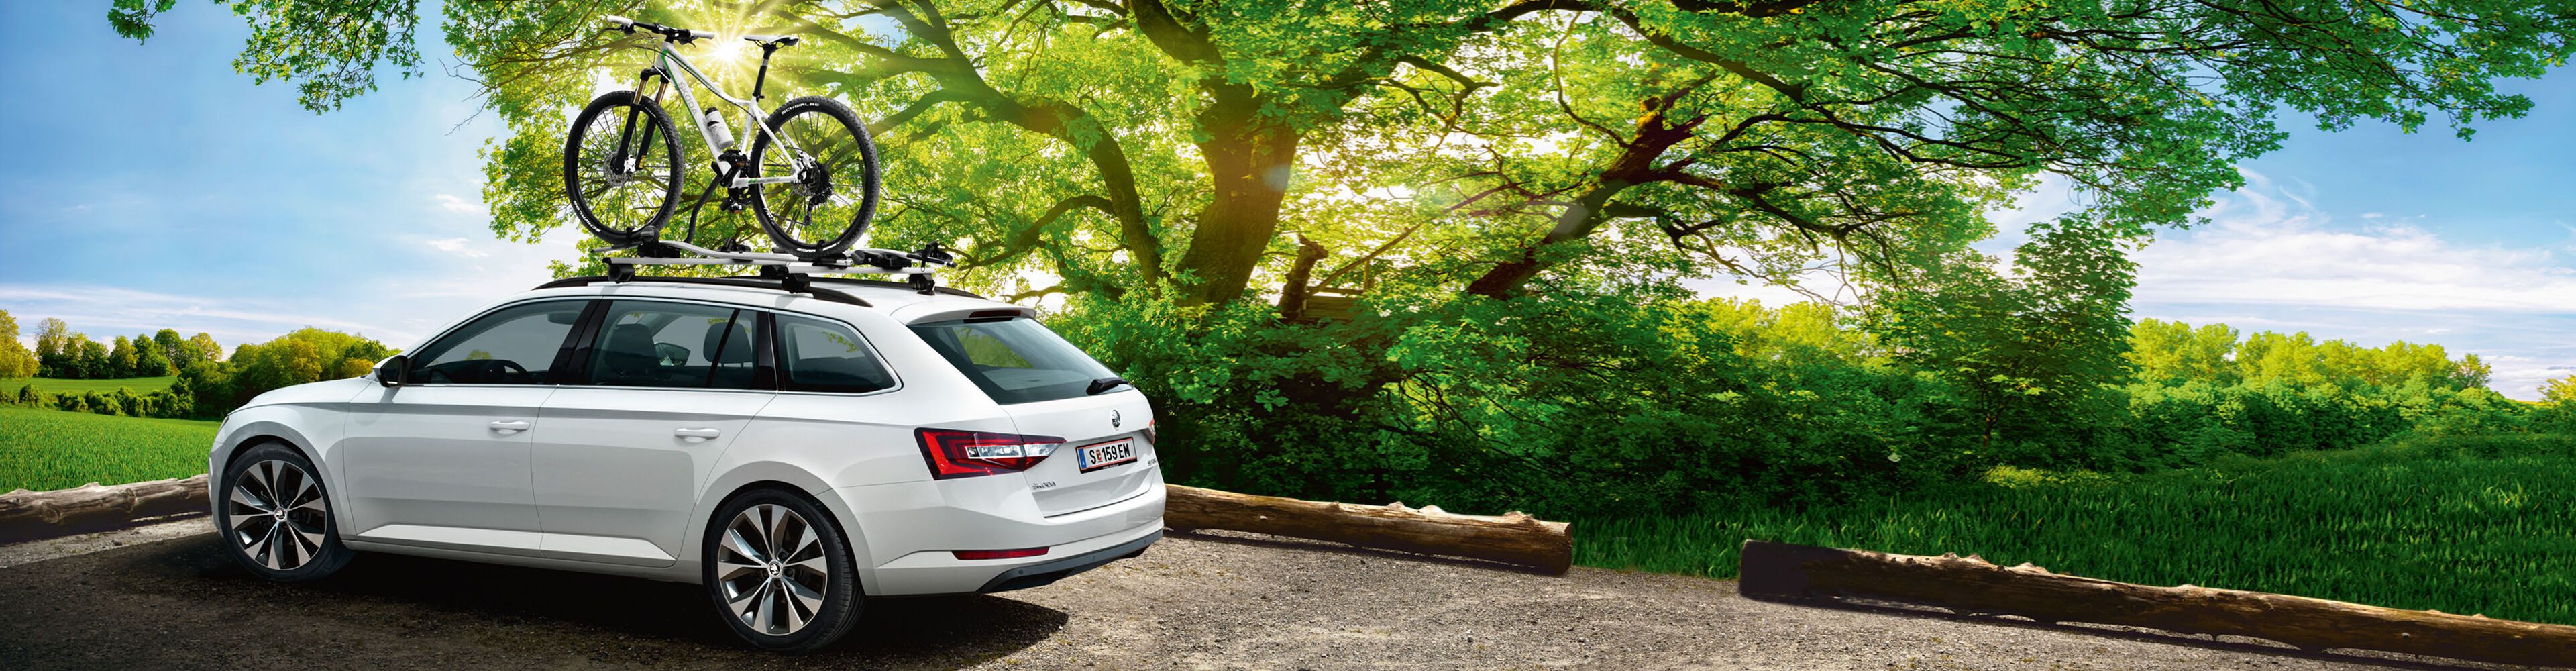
<point x="1640" y="400"/>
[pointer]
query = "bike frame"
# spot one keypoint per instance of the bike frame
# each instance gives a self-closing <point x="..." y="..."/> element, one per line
<point x="752" y="113"/>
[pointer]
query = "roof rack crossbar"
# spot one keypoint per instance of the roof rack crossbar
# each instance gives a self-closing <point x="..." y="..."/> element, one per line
<point x="791" y="272"/>
<point x="745" y="282"/>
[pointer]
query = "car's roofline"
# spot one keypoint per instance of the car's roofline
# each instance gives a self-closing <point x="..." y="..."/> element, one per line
<point x="896" y="300"/>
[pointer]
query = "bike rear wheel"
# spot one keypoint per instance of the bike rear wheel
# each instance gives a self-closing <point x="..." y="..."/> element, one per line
<point x="828" y="205"/>
<point x="622" y="168"/>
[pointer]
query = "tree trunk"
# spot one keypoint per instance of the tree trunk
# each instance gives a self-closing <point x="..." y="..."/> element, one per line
<point x="1973" y="586"/>
<point x="1249" y="163"/>
<point x="1511" y="538"/>
<point x="26" y="515"/>
<point x="1292" y="293"/>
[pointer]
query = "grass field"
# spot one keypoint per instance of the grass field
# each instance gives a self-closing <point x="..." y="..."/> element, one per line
<point x="2465" y="525"/>
<point x="54" y="386"/>
<point x="52" y="449"/>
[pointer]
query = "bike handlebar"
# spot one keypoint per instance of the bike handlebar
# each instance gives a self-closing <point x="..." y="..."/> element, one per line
<point x="683" y="35"/>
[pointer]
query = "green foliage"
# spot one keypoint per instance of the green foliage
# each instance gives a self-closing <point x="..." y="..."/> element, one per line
<point x="184" y="378"/>
<point x="1161" y="146"/>
<point x="307" y="355"/>
<point x="121" y="361"/>
<point x="47" y="385"/>
<point x="2474" y="524"/>
<point x="2034" y="353"/>
<point x="150" y="360"/>
<point x="16" y="360"/>
<point x="2561" y="391"/>
<point x="329" y="49"/>
<point x="48" y="449"/>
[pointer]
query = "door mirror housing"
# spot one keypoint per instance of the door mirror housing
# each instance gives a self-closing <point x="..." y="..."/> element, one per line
<point x="391" y="371"/>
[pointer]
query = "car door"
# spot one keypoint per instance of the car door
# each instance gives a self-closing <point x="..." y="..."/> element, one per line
<point x="664" y="388"/>
<point x="442" y="460"/>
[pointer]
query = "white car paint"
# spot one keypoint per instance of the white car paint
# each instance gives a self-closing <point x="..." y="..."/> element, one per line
<point x="622" y="480"/>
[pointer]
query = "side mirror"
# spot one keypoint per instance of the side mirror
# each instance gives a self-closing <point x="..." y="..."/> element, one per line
<point x="391" y="371"/>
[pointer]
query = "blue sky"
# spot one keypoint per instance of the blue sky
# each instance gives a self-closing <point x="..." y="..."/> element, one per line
<point x="154" y="187"/>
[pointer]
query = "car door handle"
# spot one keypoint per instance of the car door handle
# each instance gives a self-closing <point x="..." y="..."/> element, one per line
<point x="695" y="435"/>
<point x="510" y="426"/>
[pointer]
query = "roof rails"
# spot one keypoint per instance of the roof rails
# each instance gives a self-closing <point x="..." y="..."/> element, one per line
<point x="746" y="282"/>
<point x="948" y="290"/>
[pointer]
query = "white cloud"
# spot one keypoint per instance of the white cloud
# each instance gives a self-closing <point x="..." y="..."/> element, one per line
<point x="451" y="203"/>
<point x="2265" y="246"/>
<point x="454" y="246"/>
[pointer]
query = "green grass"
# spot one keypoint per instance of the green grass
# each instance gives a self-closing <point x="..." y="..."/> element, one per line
<point x="140" y="385"/>
<point x="2465" y="525"/>
<point x="52" y="449"/>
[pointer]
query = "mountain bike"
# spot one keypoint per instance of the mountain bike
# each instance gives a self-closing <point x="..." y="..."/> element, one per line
<point x="811" y="175"/>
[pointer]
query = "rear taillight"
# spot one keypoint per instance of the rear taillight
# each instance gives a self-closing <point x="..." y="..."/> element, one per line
<point x="997" y="554"/>
<point x="1150" y="435"/>
<point x="966" y="454"/>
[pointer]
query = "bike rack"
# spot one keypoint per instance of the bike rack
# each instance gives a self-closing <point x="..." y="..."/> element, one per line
<point x="794" y="274"/>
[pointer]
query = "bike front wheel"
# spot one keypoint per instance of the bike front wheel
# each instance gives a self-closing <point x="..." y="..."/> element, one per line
<point x="827" y="151"/>
<point x="622" y="168"/>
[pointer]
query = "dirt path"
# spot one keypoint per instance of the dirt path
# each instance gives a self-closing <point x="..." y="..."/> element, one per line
<point x="165" y="599"/>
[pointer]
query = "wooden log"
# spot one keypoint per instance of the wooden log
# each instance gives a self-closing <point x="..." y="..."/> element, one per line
<point x="1511" y="538"/>
<point x="1971" y="585"/>
<point x="26" y="515"/>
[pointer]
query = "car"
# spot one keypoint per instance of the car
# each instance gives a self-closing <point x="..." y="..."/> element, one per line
<point x="797" y="447"/>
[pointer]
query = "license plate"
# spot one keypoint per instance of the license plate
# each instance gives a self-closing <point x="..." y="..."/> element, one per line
<point x="1095" y="457"/>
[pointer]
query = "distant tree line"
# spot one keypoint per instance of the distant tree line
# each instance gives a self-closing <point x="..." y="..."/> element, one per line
<point x="208" y="383"/>
<point x="1643" y="399"/>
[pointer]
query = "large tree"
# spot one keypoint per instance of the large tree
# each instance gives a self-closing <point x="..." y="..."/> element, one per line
<point x="1163" y="146"/>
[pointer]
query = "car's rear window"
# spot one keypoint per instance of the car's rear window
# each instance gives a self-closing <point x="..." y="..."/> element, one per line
<point x="1014" y="360"/>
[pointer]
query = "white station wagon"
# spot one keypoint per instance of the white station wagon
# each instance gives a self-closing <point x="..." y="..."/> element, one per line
<point x="796" y="452"/>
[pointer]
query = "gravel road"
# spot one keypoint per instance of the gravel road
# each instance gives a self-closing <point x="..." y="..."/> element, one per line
<point x="163" y="597"/>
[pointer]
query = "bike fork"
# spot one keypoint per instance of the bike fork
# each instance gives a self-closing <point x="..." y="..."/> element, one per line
<point x="626" y="133"/>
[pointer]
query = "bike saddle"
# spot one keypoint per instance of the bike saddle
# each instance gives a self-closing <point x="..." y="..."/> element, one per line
<point x="766" y="40"/>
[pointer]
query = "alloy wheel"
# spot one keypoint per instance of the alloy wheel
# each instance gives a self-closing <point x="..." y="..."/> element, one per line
<point x="772" y="569"/>
<point x="278" y="515"/>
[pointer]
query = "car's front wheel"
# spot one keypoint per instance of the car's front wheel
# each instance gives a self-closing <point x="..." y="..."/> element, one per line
<point x="779" y="571"/>
<point x="276" y="516"/>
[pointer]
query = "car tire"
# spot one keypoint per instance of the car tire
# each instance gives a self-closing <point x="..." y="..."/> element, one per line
<point x="779" y="572"/>
<point x="274" y="511"/>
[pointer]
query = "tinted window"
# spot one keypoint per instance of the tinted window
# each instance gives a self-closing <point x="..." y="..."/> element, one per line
<point x="1015" y="360"/>
<point x="514" y="345"/>
<point x="817" y="355"/>
<point x="652" y="344"/>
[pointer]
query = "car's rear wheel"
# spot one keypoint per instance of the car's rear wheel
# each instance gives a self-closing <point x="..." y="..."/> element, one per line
<point x="276" y="516"/>
<point x="779" y="571"/>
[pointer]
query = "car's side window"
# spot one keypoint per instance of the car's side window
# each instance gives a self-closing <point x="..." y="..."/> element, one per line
<point x="513" y="345"/>
<point x="656" y="344"/>
<point x="817" y="355"/>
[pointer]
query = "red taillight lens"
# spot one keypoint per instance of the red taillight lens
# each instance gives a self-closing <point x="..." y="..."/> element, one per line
<point x="966" y="454"/>
<point x="1152" y="436"/>
<point x="997" y="554"/>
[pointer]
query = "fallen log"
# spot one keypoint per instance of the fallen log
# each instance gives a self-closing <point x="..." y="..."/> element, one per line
<point x="26" y="515"/>
<point x="1511" y="538"/>
<point x="1971" y="585"/>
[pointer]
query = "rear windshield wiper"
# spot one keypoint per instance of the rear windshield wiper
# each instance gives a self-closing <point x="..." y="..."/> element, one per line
<point x="1104" y="384"/>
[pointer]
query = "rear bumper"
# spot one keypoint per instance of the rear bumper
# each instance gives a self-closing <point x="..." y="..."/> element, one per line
<point x="909" y="531"/>
<point x="1040" y="575"/>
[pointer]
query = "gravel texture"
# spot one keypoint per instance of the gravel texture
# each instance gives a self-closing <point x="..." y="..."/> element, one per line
<point x="164" y="597"/>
